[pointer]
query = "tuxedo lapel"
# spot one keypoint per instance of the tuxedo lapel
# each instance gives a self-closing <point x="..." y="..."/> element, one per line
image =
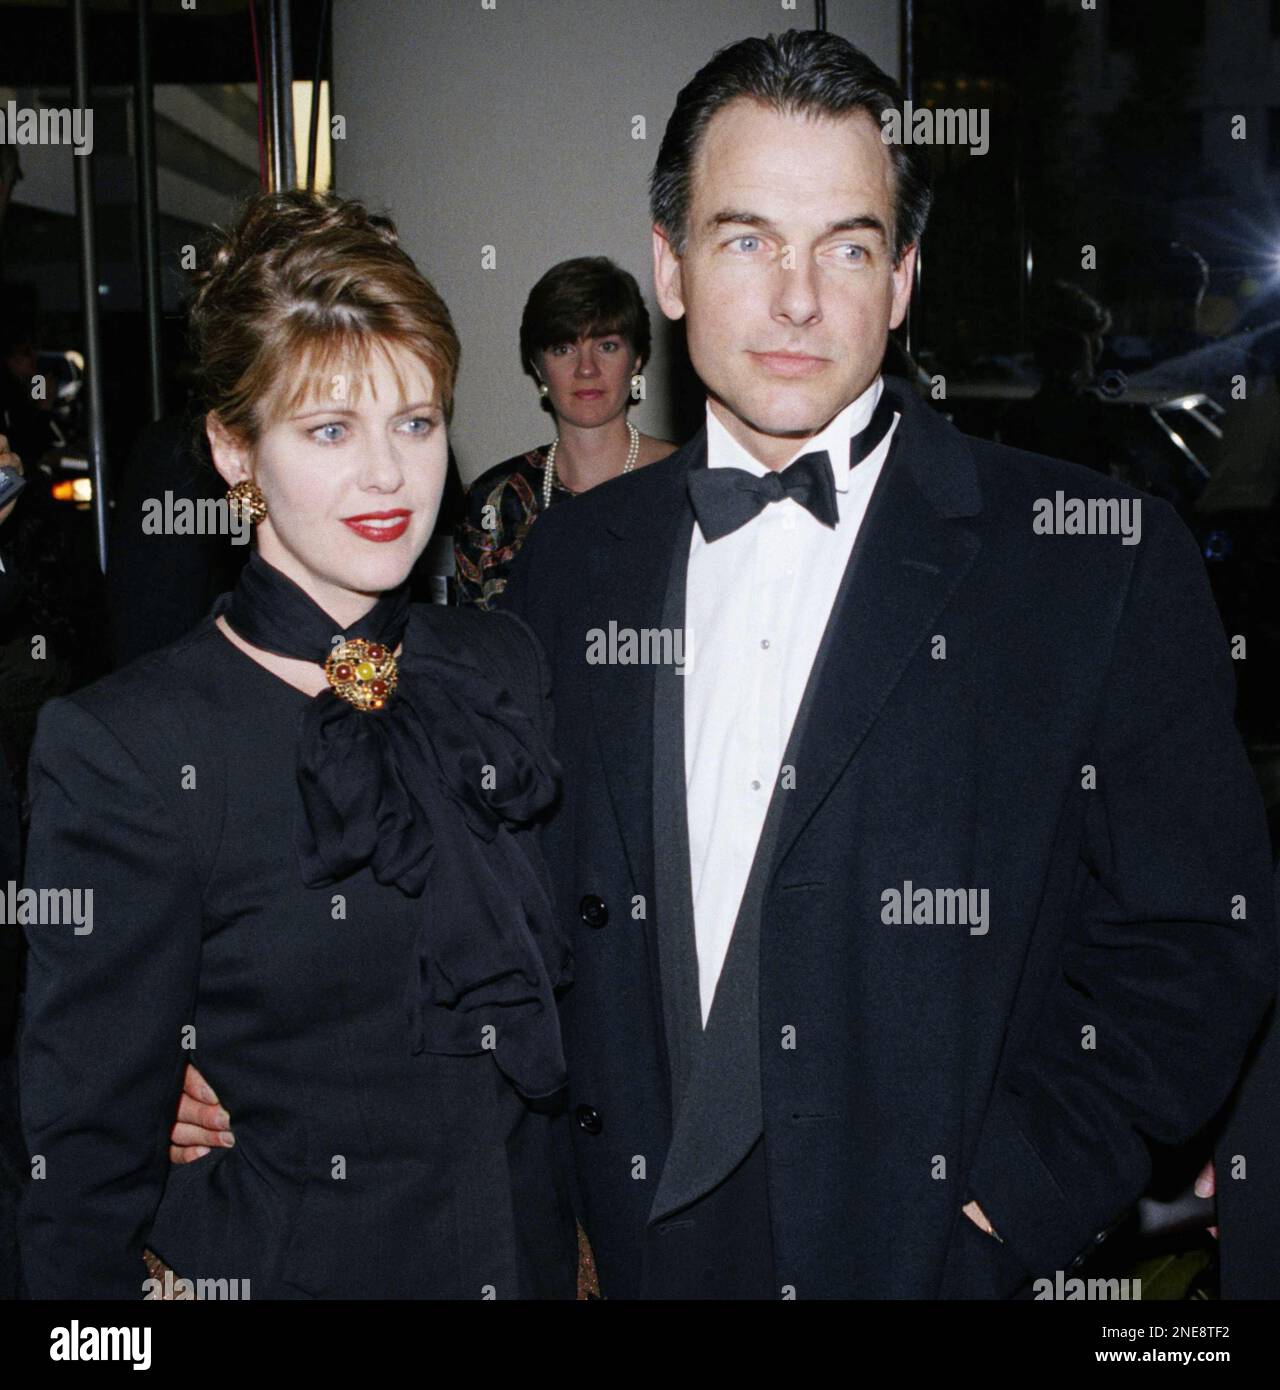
<point x="715" y="1072"/>
<point x="629" y="570"/>
<point x="672" y="877"/>
<point x="912" y="551"/>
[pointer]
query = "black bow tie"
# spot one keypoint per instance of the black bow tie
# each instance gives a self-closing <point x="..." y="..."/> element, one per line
<point x="726" y="498"/>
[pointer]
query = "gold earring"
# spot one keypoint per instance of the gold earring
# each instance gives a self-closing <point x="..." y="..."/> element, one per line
<point x="246" y="499"/>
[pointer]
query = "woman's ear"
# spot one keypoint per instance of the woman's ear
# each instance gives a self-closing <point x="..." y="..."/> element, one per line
<point x="231" y="457"/>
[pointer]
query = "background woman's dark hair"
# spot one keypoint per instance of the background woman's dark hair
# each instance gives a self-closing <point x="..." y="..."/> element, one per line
<point x="587" y="297"/>
<point x="801" y="72"/>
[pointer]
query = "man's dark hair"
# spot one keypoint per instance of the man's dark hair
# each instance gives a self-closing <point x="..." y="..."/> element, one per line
<point x="587" y="297"/>
<point x="801" y="72"/>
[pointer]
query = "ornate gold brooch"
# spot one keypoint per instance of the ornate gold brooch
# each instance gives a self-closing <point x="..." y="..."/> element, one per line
<point x="362" y="673"/>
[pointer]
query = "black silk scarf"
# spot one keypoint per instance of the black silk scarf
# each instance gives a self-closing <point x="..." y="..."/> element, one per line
<point x="429" y="793"/>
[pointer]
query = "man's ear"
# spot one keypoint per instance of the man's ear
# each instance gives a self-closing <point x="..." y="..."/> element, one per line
<point x="231" y="456"/>
<point x="904" y="279"/>
<point x="666" y="276"/>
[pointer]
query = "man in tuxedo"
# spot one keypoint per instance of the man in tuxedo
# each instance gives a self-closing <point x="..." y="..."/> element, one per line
<point x="794" y="1071"/>
<point x="917" y="875"/>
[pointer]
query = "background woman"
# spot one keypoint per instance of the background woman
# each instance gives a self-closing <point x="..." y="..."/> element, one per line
<point x="584" y="335"/>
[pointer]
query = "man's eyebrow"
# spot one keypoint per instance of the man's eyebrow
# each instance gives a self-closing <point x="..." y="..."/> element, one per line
<point x="742" y="218"/>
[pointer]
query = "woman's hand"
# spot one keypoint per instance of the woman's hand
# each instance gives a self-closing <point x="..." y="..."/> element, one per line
<point x="202" y="1123"/>
<point x="8" y="460"/>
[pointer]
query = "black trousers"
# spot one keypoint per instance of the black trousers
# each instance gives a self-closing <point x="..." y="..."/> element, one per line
<point x="721" y="1246"/>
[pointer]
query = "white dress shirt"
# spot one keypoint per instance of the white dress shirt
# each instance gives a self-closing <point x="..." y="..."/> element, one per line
<point x="756" y="605"/>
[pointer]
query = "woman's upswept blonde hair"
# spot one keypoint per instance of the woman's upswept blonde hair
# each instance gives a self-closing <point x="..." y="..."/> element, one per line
<point x="292" y="301"/>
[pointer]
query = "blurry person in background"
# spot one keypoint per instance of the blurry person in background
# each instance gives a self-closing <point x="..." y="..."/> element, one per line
<point x="1065" y="418"/>
<point x="583" y="337"/>
<point x="1179" y="279"/>
<point x="160" y="584"/>
<point x="56" y="592"/>
<point x="8" y="459"/>
<point x="26" y="409"/>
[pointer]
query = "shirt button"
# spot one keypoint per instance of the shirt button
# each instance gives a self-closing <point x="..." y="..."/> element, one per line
<point x="764" y="642"/>
<point x="755" y="786"/>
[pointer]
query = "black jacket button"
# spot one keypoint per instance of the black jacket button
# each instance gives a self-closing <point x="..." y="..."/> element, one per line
<point x="588" y="1119"/>
<point x="593" y="911"/>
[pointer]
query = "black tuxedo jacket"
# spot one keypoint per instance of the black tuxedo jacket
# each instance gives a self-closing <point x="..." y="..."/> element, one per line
<point x="1248" y="1173"/>
<point x="1044" y="717"/>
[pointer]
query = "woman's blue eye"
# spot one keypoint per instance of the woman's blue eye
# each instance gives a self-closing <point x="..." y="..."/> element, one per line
<point x="321" y="432"/>
<point x="420" y="424"/>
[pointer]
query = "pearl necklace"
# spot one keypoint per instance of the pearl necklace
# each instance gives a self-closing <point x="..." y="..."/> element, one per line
<point x="549" y="468"/>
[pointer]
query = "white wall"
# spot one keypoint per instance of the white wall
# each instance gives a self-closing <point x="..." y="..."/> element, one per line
<point x="508" y="123"/>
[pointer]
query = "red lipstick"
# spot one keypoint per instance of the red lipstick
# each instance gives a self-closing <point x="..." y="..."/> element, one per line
<point x="379" y="526"/>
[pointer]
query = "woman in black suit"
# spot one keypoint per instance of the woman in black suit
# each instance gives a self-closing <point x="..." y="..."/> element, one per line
<point x="307" y="827"/>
